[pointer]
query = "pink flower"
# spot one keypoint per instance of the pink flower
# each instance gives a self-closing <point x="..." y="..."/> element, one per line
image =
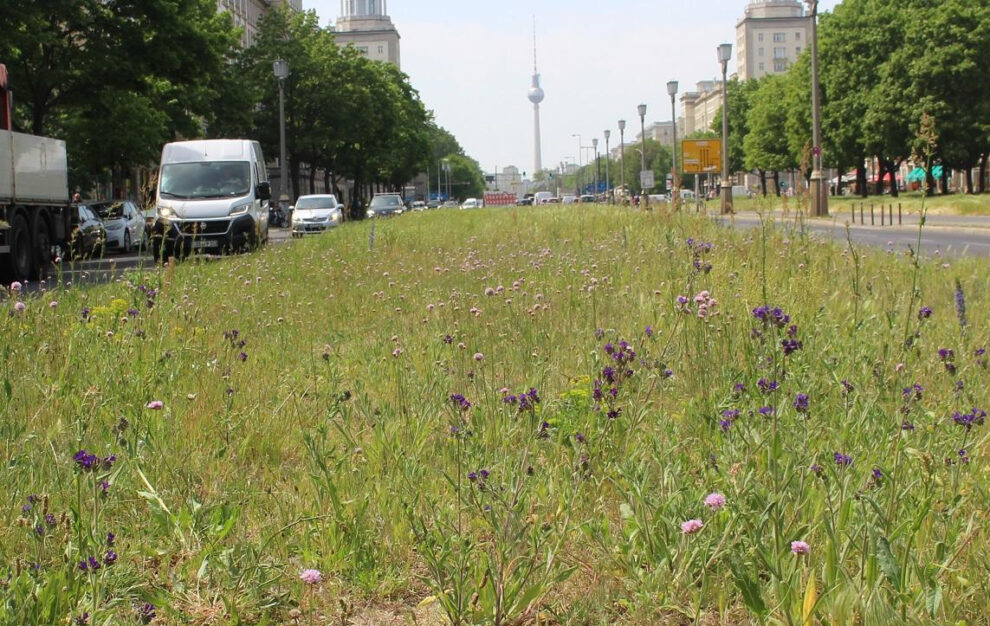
<point x="478" y="356"/>
<point x="715" y="501"/>
<point x="155" y="405"/>
<point x="489" y="291"/>
<point x="53" y="304"/>
<point x="800" y="547"/>
<point x="19" y="306"/>
<point x="692" y="526"/>
<point x="311" y="576"/>
<point x="397" y="352"/>
<point x="15" y="286"/>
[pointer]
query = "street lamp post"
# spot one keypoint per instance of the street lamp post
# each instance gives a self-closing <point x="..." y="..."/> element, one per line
<point x="724" y="54"/>
<point x="446" y="175"/>
<point x="819" y="193"/>
<point x="577" y="177"/>
<point x="608" y="156"/>
<point x="675" y="193"/>
<point x="622" y="156"/>
<point x="281" y="69"/>
<point x="644" y="194"/>
<point x="594" y="144"/>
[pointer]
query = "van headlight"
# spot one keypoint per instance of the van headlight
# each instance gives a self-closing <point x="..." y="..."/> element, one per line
<point x="370" y="213"/>
<point x="240" y="209"/>
<point x="166" y="212"/>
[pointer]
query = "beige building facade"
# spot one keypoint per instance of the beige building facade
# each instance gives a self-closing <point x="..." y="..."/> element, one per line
<point x="365" y="24"/>
<point x="246" y="14"/>
<point x="770" y="37"/>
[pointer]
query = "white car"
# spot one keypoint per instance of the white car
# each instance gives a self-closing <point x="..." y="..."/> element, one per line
<point x="315" y="214"/>
<point x="124" y="224"/>
<point x="471" y="203"/>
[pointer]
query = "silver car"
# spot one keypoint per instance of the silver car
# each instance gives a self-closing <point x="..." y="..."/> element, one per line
<point x="315" y="214"/>
<point x="124" y="224"/>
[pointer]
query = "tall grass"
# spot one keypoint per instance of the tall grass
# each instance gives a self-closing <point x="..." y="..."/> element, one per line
<point x="499" y="417"/>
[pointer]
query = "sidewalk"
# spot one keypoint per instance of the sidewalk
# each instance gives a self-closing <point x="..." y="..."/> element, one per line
<point x="932" y="220"/>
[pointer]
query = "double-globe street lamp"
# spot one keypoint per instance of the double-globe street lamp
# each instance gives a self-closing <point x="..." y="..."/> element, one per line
<point x="622" y="156"/>
<point x="281" y="69"/>
<point x="644" y="193"/>
<point x="724" y="54"/>
<point x="675" y="193"/>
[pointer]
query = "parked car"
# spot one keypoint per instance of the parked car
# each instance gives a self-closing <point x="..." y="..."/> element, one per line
<point x="124" y="223"/>
<point x="433" y="204"/>
<point x="385" y="205"/>
<point x="450" y="204"/>
<point x="315" y="214"/>
<point x="569" y="200"/>
<point x="89" y="236"/>
<point x="418" y="205"/>
<point x="525" y="201"/>
<point x="471" y="203"/>
<point x="587" y="198"/>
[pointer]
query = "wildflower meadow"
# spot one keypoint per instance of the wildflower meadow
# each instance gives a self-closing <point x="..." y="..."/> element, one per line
<point x="524" y="415"/>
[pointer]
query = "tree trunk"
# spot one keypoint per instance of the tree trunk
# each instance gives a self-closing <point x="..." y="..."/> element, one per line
<point x="945" y="180"/>
<point x="969" y="180"/>
<point x="861" y="179"/>
<point x="312" y="179"/>
<point x="763" y="182"/>
<point x="776" y="183"/>
<point x="983" y="173"/>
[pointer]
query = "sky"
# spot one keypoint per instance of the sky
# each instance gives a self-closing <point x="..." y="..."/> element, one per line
<point x="472" y="63"/>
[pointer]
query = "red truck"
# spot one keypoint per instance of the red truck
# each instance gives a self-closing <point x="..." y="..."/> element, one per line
<point x="35" y="212"/>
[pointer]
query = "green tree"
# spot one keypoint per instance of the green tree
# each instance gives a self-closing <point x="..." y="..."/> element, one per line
<point x="765" y="145"/>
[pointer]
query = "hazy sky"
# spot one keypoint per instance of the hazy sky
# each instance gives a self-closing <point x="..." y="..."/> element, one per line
<point x="472" y="62"/>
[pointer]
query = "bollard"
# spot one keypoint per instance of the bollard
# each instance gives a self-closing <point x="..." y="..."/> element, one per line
<point x="861" y="214"/>
<point x="872" y="220"/>
<point x="899" y="214"/>
<point x="890" y="214"/>
<point x="852" y="209"/>
<point x="881" y="215"/>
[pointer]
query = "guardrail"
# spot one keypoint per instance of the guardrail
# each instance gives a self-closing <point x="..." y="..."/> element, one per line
<point x="886" y="214"/>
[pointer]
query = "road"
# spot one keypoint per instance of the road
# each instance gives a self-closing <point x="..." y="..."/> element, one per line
<point x="944" y="235"/>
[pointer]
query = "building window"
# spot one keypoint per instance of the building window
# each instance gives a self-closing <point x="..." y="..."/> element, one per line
<point x="797" y="36"/>
<point x="778" y="37"/>
<point x="797" y="51"/>
<point x="759" y="37"/>
<point x="760" y="53"/>
<point x="761" y="67"/>
<point x="780" y="53"/>
<point x="381" y="49"/>
<point x="363" y="50"/>
<point x="780" y="66"/>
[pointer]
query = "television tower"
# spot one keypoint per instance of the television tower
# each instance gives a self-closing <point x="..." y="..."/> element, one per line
<point x="536" y="97"/>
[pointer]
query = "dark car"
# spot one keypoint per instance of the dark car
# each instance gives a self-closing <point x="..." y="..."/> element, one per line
<point x="89" y="236"/>
<point x="386" y="204"/>
<point x="528" y="201"/>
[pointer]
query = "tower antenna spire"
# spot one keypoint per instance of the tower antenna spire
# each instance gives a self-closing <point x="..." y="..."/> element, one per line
<point x="534" y="44"/>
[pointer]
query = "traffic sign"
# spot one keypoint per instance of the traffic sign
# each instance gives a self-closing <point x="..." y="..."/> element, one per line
<point x="699" y="156"/>
<point x="646" y="179"/>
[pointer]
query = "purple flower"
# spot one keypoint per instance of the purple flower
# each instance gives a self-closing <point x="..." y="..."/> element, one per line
<point x="946" y="354"/>
<point x="924" y="313"/>
<point x="725" y="425"/>
<point x="790" y="346"/>
<point x="146" y="612"/>
<point x="649" y="330"/>
<point x="801" y="403"/>
<point x="472" y="476"/>
<point x="86" y="461"/>
<point x="110" y="558"/>
<point x="800" y="548"/>
<point x="731" y="414"/>
<point x="877" y="474"/>
<point x="842" y="460"/>
<point x="968" y="420"/>
<point x="111" y="538"/>
<point x="767" y="386"/>
<point x="913" y="392"/>
<point x="766" y="411"/>
<point x="960" y="304"/>
<point x="459" y="401"/>
<point x="847" y="387"/>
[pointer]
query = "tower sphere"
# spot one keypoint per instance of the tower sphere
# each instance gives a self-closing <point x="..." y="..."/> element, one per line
<point x="535" y="92"/>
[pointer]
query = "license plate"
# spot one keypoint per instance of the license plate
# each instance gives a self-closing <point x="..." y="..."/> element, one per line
<point x="199" y="244"/>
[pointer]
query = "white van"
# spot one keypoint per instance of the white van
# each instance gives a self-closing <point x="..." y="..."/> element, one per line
<point x="212" y="196"/>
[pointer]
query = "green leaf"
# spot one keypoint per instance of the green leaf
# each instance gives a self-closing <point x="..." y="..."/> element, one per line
<point x="933" y="600"/>
<point x="750" y="590"/>
<point x="888" y="563"/>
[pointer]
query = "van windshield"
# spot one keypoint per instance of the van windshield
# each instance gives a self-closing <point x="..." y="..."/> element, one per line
<point x="211" y="179"/>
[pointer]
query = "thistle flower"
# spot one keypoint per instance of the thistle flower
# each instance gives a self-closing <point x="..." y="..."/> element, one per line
<point x="715" y="501"/>
<point x="311" y="576"/>
<point x="692" y="526"/>
<point x="800" y="548"/>
<point x="155" y="405"/>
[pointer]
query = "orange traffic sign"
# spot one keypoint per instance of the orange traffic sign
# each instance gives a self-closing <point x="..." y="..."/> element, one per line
<point x="700" y="156"/>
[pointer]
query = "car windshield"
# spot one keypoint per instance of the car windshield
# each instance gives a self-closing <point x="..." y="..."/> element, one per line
<point x="385" y="202"/>
<point x="211" y="179"/>
<point x="110" y="211"/>
<point x="316" y="202"/>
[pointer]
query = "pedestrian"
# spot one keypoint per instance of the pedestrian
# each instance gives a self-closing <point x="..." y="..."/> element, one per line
<point x="76" y="198"/>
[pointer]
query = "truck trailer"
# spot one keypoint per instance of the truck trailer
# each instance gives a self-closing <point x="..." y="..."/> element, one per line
<point x="35" y="213"/>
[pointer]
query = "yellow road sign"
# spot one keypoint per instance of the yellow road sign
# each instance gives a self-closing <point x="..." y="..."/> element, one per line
<point x="699" y="156"/>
